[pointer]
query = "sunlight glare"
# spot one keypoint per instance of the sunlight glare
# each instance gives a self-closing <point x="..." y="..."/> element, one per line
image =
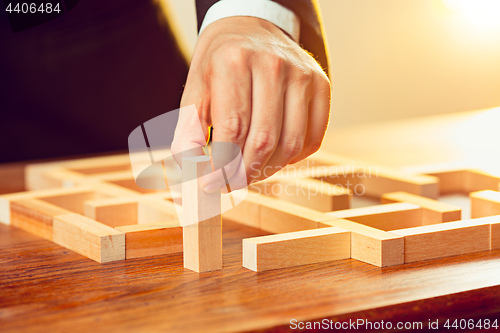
<point x="483" y="14"/>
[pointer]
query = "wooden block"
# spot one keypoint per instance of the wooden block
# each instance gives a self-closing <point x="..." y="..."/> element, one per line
<point x="445" y="239"/>
<point x="450" y="181"/>
<point x="202" y="233"/>
<point x="144" y="240"/>
<point x="98" y="165"/>
<point x="296" y="248"/>
<point x="89" y="238"/>
<point x="125" y="179"/>
<point x="155" y="211"/>
<point x="319" y="158"/>
<point x="62" y="177"/>
<point x="477" y="180"/>
<point x="78" y="192"/>
<point x="35" y="176"/>
<point x="495" y="235"/>
<point x="371" y="245"/>
<point x="312" y="193"/>
<point x="347" y="176"/>
<point x="384" y="180"/>
<point x="112" y="211"/>
<point x="432" y="211"/>
<point x="107" y="190"/>
<point x="171" y="196"/>
<point x="72" y="201"/>
<point x="307" y="192"/>
<point x="385" y="217"/>
<point x="35" y="216"/>
<point x="248" y="212"/>
<point x="484" y="203"/>
<point x="278" y="216"/>
<point x="326" y="158"/>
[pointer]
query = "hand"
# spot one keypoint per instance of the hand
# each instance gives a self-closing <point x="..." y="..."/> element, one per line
<point x="259" y="90"/>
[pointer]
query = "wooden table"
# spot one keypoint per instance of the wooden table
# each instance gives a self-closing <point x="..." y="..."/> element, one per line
<point x="45" y="287"/>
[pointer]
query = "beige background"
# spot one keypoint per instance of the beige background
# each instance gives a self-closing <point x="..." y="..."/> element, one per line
<point x="395" y="59"/>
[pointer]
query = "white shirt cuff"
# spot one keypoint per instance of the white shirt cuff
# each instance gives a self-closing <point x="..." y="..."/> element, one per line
<point x="268" y="10"/>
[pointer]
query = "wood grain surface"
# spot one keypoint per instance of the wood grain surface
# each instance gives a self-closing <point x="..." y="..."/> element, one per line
<point x="47" y="288"/>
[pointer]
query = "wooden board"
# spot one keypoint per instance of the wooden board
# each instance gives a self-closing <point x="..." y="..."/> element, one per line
<point x="384" y="217"/>
<point x="446" y="239"/>
<point x="248" y="212"/>
<point x="145" y="240"/>
<point x="485" y="203"/>
<point x="156" y="210"/>
<point x="386" y="180"/>
<point x="371" y="245"/>
<point x="432" y="211"/>
<point x="35" y="216"/>
<point x="465" y="286"/>
<point x="278" y="216"/>
<point x="296" y="248"/>
<point x="89" y="238"/>
<point x="71" y="198"/>
<point x="477" y="180"/>
<point x="450" y="181"/>
<point x="113" y="212"/>
<point x="310" y="193"/>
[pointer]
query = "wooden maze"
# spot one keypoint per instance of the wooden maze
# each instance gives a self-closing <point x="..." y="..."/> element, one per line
<point x="93" y="207"/>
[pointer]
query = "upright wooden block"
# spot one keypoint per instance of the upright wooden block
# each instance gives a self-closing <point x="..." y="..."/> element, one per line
<point x="432" y="211"/>
<point x="484" y="203"/>
<point x="445" y="239"/>
<point x="35" y="216"/>
<point x="112" y="211"/>
<point x="202" y="233"/>
<point x="144" y="240"/>
<point x="385" y="217"/>
<point x="89" y="238"/>
<point x="296" y="248"/>
<point x="371" y="245"/>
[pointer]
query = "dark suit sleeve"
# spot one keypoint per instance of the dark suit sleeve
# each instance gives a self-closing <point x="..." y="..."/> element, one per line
<point x="312" y="37"/>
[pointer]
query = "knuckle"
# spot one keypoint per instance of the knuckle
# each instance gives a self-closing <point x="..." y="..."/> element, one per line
<point x="313" y="146"/>
<point x="275" y="65"/>
<point x="305" y="77"/>
<point x="263" y="142"/>
<point x="323" y="83"/>
<point x="231" y="55"/>
<point x="293" y="146"/>
<point x="232" y="128"/>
